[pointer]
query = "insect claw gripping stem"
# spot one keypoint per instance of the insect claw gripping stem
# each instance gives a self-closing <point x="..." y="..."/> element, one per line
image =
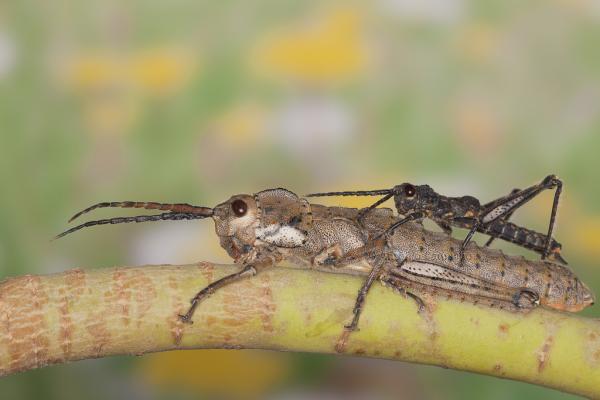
<point x="362" y="294"/>
<point x="247" y="271"/>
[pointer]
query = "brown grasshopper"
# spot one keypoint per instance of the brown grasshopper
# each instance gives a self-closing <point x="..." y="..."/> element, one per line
<point x="258" y="231"/>
<point x="411" y="257"/>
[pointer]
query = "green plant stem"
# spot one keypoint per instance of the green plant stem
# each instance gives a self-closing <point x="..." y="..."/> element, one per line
<point x="81" y="314"/>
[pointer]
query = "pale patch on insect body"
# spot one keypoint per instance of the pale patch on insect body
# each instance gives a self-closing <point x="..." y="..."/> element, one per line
<point x="501" y="210"/>
<point x="400" y="255"/>
<point x="281" y="235"/>
<point x="436" y="271"/>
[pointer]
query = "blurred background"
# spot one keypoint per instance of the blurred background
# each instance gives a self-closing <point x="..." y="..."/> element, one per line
<point x="193" y="101"/>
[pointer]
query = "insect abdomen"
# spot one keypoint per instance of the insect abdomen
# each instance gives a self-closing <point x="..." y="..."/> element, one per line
<point x="521" y="236"/>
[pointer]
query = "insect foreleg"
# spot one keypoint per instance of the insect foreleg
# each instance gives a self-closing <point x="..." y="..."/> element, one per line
<point x="247" y="271"/>
<point x="363" y="212"/>
<point x="410" y="217"/>
<point x="362" y="294"/>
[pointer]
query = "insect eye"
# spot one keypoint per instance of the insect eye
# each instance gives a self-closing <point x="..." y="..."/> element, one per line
<point x="409" y="190"/>
<point x="239" y="207"/>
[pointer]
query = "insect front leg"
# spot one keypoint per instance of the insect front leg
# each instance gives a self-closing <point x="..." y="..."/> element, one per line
<point x="410" y="217"/>
<point x="249" y="270"/>
<point x="364" y="212"/>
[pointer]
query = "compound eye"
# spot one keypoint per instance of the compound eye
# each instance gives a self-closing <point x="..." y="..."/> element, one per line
<point x="409" y="190"/>
<point x="239" y="208"/>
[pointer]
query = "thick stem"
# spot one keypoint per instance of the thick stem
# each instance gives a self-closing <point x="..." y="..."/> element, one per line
<point x="133" y="310"/>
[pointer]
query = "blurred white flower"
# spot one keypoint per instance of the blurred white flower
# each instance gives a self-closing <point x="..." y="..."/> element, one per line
<point x="311" y="126"/>
<point x="8" y="54"/>
<point x="315" y="130"/>
<point x="179" y="242"/>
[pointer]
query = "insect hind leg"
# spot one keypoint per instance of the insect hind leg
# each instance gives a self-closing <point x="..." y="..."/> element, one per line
<point x="505" y="218"/>
<point x="525" y="298"/>
<point x="507" y="205"/>
<point x="552" y="181"/>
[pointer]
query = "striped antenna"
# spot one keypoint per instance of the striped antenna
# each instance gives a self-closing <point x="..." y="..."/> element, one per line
<point x="380" y="192"/>
<point x="176" y="208"/>
<point x="170" y="216"/>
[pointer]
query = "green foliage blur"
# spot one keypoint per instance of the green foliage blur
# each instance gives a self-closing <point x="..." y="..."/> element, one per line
<point x="193" y="101"/>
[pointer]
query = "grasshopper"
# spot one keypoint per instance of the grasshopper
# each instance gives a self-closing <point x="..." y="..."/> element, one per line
<point x="418" y="202"/>
<point x="411" y="257"/>
<point x="259" y="231"/>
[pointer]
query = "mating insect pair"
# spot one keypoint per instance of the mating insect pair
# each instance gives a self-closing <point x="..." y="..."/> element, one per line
<point x="418" y="202"/>
<point x="258" y="231"/>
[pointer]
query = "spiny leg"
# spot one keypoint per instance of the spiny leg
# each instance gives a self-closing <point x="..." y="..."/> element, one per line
<point x="374" y="244"/>
<point x="501" y="207"/>
<point x="394" y="283"/>
<point x="364" y="212"/>
<point x="410" y="217"/>
<point x="246" y="272"/>
<point x="474" y="226"/>
<point x="505" y="218"/>
<point x="525" y="298"/>
<point x="558" y="183"/>
<point x="362" y="294"/>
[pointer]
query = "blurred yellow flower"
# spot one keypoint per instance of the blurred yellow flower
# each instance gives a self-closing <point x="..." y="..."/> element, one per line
<point x="111" y="83"/>
<point x="244" y="125"/>
<point x="238" y="374"/>
<point x="328" y="50"/>
<point x="105" y="116"/>
<point x="160" y="71"/>
<point x="92" y="71"/>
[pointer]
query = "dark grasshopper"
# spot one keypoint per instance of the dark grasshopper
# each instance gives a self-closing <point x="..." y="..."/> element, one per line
<point x="417" y="202"/>
<point x="258" y="231"/>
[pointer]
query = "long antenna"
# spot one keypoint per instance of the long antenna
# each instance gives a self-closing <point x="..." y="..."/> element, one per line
<point x="140" y="218"/>
<point x="149" y="205"/>
<point x="379" y="192"/>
